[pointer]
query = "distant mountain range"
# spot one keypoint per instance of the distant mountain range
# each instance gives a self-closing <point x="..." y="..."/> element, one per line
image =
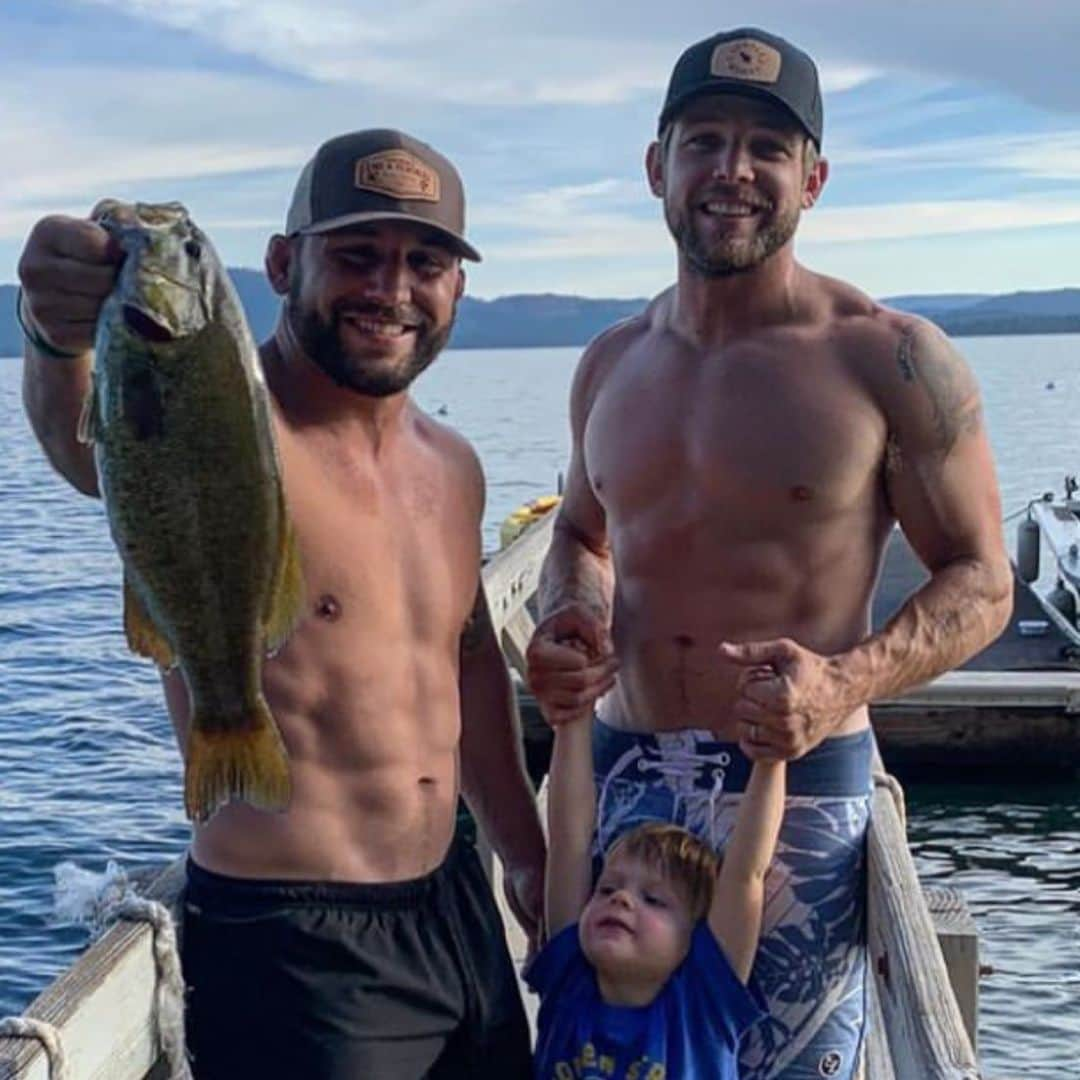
<point x="547" y="319"/>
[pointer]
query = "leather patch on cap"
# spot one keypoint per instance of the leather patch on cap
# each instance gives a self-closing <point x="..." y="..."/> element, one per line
<point x="399" y="174"/>
<point x="746" y="59"/>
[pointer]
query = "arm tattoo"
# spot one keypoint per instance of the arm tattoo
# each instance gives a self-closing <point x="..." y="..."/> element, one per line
<point x="905" y="352"/>
<point x="477" y="625"/>
<point x="953" y="401"/>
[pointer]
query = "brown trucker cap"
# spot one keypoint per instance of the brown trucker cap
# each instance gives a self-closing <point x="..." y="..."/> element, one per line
<point x="380" y="175"/>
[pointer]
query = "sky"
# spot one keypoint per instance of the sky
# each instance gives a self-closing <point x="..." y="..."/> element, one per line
<point x="952" y="127"/>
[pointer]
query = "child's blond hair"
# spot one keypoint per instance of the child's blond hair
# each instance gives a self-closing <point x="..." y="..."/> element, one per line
<point x="679" y="855"/>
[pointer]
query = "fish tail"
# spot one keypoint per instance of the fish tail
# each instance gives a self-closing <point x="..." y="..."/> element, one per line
<point x="240" y="758"/>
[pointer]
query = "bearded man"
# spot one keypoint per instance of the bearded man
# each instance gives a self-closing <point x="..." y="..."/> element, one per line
<point x="352" y="935"/>
<point x="741" y="453"/>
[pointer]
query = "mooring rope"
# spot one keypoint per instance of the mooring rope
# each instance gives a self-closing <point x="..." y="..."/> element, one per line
<point x="169" y="991"/>
<point x="892" y="785"/>
<point x="25" y="1027"/>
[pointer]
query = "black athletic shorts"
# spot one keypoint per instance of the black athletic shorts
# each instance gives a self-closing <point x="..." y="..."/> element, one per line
<point x="312" y="981"/>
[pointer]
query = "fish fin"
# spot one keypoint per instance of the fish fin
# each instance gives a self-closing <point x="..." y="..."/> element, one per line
<point x="235" y="758"/>
<point x="89" y="424"/>
<point x="286" y="600"/>
<point x="143" y="637"/>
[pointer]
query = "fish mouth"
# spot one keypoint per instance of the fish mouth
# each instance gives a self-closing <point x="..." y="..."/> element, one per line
<point x="144" y="325"/>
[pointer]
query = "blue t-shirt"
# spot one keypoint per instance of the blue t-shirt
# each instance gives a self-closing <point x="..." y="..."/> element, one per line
<point x="690" y="1031"/>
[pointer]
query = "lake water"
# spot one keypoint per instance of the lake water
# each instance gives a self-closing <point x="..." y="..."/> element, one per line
<point x="89" y="772"/>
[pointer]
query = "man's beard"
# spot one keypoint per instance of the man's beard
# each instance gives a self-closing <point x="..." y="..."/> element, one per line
<point x="323" y="343"/>
<point x="730" y="255"/>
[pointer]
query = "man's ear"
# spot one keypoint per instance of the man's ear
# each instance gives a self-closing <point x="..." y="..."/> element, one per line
<point x="460" y="290"/>
<point x="815" y="181"/>
<point x="279" y="255"/>
<point x="654" y="169"/>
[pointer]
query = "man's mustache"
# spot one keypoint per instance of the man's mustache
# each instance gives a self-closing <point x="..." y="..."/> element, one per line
<point x="406" y="314"/>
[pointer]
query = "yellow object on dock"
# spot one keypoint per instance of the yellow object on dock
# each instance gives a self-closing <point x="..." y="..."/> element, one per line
<point x="517" y="521"/>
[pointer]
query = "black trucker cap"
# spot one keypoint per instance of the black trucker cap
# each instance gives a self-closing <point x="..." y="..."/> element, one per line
<point x="752" y="63"/>
<point x="380" y="175"/>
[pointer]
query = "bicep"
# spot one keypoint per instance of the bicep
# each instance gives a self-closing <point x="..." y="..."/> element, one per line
<point x="940" y="473"/>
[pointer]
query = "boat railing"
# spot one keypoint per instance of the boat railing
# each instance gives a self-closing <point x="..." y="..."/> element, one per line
<point x="103" y="1006"/>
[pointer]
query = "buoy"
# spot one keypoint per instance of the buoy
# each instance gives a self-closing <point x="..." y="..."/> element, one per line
<point x="1064" y="599"/>
<point x="1027" y="550"/>
<point x="517" y="521"/>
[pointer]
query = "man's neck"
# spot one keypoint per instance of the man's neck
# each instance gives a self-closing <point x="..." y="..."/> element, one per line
<point x="307" y="396"/>
<point x="708" y="311"/>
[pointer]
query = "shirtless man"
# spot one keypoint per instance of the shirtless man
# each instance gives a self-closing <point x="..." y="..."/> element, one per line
<point x="741" y="452"/>
<point x="350" y="936"/>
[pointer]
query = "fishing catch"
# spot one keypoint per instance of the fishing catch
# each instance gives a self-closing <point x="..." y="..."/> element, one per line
<point x="179" y="417"/>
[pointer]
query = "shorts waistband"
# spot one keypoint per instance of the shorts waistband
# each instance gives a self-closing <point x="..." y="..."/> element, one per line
<point x="222" y="892"/>
<point x="837" y="767"/>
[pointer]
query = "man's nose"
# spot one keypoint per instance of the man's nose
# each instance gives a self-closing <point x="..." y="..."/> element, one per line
<point x="733" y="163"/>
<point x="389" y="282"/>
<point x="621" y="897"/>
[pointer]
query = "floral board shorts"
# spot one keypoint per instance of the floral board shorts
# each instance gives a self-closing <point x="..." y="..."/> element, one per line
<point x="811" y="962"/>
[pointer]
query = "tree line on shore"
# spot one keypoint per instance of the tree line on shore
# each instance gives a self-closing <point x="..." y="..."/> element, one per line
<point x="548" y="320"/>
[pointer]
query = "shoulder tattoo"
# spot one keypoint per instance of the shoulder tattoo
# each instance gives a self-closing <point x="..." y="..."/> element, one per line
<point x="477" y="625"/>
<point x="905" y="352"/>
<point x="929" y="360"/>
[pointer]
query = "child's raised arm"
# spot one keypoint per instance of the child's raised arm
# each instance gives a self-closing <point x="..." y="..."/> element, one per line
<point x="735" y="914"/>
<point x="571" y="820"/>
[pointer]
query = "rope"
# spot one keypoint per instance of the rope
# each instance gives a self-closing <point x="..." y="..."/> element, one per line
<point x="23" y="1027"/>
<point x="169" y="989"/>
<point x="892" y="785"/>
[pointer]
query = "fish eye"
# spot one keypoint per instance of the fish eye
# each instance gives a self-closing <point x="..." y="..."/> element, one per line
<point x="193" y="248"/>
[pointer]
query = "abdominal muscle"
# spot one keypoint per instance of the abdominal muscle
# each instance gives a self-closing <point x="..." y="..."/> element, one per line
<point x="671" y="676"/>
<point x="373" y="763"/>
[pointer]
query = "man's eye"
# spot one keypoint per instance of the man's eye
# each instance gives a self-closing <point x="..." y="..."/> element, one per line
<point x="354" y="256"/>
<point x="428" y="264"/>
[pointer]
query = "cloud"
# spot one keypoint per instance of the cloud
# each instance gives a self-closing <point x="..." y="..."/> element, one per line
<point x="524" y="52"/>
<point x="1053" y="155"/>
<point x="857" y="224"/>
<point x="502" y="53"/>
<point x="610" y="220"/>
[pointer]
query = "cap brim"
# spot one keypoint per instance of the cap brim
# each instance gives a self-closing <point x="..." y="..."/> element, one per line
<point x="739" y="89"/>
<point x="458" y="244"/>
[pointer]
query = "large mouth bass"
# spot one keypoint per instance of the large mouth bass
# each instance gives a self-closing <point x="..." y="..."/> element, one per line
<point x="180" y="420"/>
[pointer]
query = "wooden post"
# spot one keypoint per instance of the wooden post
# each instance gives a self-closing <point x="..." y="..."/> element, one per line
<point x="877" y="1061"/>
<point x="516" y="635"/>
<point x="959" y="941"/>
<point x="926" y="1032"/>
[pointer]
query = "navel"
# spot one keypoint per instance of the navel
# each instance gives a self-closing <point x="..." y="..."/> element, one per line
<point x="328" y="608"/>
